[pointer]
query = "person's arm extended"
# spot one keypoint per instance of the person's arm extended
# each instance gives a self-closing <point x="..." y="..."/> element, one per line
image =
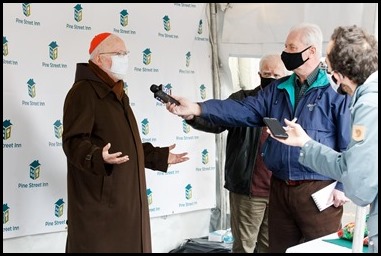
<point x="202" y="124"/>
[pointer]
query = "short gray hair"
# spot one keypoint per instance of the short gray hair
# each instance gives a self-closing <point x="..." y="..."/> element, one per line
<point x="312" y="35"/>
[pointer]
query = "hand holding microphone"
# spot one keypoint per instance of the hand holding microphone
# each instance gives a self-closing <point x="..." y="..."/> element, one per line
<point x="161" y="96"/>
<point x="185" y="109"/>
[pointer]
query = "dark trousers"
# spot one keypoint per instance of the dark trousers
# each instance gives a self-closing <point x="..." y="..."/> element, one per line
<point x="294" y="217"/>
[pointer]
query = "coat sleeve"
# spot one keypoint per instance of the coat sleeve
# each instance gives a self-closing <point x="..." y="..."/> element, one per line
<point x="155" y="158"/>
<point x="205" y="125"/>
<point x="201" y="124"/>
<point x="356" y="167"/>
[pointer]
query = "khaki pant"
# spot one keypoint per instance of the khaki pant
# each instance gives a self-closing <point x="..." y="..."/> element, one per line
<point x="249" y="223"/>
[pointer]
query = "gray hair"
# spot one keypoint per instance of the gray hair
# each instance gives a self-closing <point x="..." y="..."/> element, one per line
<point x="312" y="35"/>
<point x="274" y="58"/>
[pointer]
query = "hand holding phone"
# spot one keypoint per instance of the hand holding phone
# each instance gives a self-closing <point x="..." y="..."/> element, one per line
<point x="275" y="127"/>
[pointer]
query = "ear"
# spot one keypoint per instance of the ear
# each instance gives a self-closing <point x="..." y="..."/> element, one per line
<point x="339" y="77"/>
<point x="97" y="59"/>
<point x="313" y="49"/>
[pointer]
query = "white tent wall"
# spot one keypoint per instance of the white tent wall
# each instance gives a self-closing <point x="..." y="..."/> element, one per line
<point x="255" y="29"/>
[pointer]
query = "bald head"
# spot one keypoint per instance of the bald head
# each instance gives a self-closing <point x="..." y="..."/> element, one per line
<point x="271" y="65"/>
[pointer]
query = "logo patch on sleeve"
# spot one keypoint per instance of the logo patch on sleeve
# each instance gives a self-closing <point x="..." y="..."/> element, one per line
<point x="358" y="132"/>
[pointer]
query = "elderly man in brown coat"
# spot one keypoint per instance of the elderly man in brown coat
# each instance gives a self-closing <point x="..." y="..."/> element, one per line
<point x="106" y="160"/>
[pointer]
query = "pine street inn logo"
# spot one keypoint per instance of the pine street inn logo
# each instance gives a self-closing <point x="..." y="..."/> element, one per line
<point x="34" y="172"/>
<point x="6" y="52"/>
<point x="7" y="129"/>
<point x="7" y="227"/>
<point x="53" y="51"/>
<point x="32" y="93"/>
<point x="149" y="196"/>
<point x="58" y="130"/>
<point x="186" y="126"/>
<point x="145" y="128"/>
<point x="205" y="162"/>
<point x="27" y="11"/>
<point x="5" y="47"/>
<point x="5" y="213"/>
<point x="200" y="32"/>
<point x="167" y="28"/>
<point x="188" y="190"/>
<point x="124" y="17"/>
<point x="78" y="12"/>
<point x="203" y="92"/>
<point x="59" y="209"/>
<point x="152" y="207"/>
<point x="7" y="134"/>
<point x="187" y="70"/>
<point x="200" y="29"/>
<point x="78" y="18"/>
<point x="205" y="156"/>
<point x="147" y="61"/>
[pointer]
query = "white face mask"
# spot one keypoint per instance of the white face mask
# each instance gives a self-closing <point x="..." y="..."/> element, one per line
<point x="119" y="66"/>
<point x="333" y="82"/>
<point x="336" y="87"/>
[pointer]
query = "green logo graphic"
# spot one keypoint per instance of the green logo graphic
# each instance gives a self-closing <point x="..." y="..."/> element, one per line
<point x="7" y="129"/>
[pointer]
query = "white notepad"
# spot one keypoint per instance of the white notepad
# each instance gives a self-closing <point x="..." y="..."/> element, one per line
<point x="322" y="196"/>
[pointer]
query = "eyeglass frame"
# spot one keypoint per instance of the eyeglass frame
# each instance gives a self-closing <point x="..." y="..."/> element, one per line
<point x="119" y="54"/>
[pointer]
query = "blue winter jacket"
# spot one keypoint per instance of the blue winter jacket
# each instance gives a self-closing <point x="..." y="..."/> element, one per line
<point x="322" y="112"/>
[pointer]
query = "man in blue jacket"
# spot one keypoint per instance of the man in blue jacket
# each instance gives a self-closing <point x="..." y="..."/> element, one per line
<point x="325" y="115"/>
<point x="352" y="59"/>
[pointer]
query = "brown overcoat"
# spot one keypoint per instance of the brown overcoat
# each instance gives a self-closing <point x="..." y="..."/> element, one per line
<point x="107" y="204"/>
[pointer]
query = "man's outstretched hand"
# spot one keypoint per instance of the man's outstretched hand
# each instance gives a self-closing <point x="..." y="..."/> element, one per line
<point x="176" y="158"/>
<point x="114" y="158"/>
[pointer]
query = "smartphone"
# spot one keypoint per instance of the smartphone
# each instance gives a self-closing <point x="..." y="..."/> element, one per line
<point x="275" y="127"/>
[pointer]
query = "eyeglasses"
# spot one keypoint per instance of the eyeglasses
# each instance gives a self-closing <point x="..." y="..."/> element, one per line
<point x="120" y="54"/>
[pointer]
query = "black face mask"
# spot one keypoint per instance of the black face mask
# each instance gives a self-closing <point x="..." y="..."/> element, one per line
<point x="265" y="81"/>
<point x="293" y="60"/>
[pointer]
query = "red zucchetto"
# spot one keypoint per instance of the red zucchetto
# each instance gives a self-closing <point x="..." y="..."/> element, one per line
<point x="97" y="40"/>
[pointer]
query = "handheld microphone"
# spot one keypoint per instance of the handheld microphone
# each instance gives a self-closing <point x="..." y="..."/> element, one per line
<point x="161" y="96"/>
